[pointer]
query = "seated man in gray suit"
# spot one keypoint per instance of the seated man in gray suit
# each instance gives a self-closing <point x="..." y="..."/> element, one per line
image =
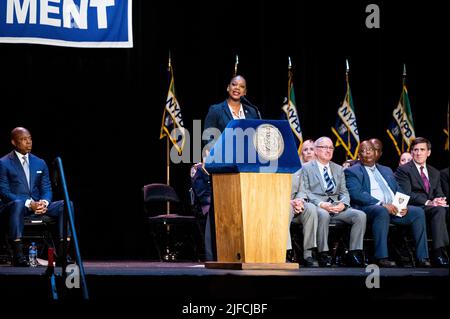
<point x="304" y="213"/>
<point x="323" y="183"/>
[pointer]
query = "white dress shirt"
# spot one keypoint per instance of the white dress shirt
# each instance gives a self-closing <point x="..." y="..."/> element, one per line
<point x="240" y="115"/>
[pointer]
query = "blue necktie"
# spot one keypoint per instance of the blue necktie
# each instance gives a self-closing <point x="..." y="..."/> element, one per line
<point x="387" y="194"/>
<point x="328" y="180"/>
<point x="26" y="168"/>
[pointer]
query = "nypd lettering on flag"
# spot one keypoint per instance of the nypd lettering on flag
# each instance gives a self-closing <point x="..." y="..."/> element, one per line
<point x="73" y="23"/>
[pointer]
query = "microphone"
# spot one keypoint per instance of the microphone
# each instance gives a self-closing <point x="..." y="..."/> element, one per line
<point x="245" y="101"/>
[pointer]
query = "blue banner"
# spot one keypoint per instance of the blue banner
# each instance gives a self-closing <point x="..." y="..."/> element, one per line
<point x="73" y="23"/>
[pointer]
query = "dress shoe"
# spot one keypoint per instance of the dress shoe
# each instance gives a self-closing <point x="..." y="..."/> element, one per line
<point x="324" y="260"/>
<point x="19" y="260"/>
<point x="355" y="259"/>
<point x="405" y="262"/>
<point x="440" y="261"/>
<point x="310" y="262"/>
<point x="385" y="263"/>
<point x="59" y="261"/>
<point x="440" y="258"/>
<point x="60" y="253"/>
<point x="290" y="256"/>
<point x="423" y="263"/>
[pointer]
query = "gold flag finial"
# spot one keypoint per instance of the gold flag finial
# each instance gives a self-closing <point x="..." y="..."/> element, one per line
<point x="169" y="66"/>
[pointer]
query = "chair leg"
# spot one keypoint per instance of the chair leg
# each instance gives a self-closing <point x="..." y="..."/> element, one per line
<point x="334" y="253"/>
<point x="196" y="256"/>
<point x="200" y="231"/>
<point x="155" y="242"/>
<point x="170" y="252"/>
<point x="410" y="252"/>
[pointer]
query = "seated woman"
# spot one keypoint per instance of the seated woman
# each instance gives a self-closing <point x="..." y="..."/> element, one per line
<point x="404" y="158"/>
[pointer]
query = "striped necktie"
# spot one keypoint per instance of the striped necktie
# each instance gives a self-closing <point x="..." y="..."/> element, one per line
<point x="328" y="180"/>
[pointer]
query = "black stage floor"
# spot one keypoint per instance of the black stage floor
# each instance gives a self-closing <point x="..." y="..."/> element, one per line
<point x="174" y="286"/>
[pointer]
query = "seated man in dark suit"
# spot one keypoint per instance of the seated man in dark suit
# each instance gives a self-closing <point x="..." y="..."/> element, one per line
<point x="25" y="189"/>
<point x="423" y="183"/>
<point x="372" y="188"/>
<point x="201" y="185"/>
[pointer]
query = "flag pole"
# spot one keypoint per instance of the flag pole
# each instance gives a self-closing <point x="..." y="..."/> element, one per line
<point x="403" y="88"/>
<point x="404" y="74"/>
<point x="399" y="147"/>
<point x="289" y="80"/>
<point x="236" y="65"/>
<point x="446" y="146"/>
<point x="169" y="70"/>
<point x="290" y="76"/>
<point x="347" y="70"/>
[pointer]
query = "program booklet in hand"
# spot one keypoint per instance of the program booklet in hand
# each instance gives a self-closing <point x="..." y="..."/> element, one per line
<point x="400" y="201"/>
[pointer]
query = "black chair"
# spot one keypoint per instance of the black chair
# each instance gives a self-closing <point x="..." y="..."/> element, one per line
<point x="5" y="253"/>
<point x="401" y="246"/>
<point x="172" y="233"/>
<point x="338" y="238"/>
<point x="37" y="228"/>
<point x="196" y="209"/>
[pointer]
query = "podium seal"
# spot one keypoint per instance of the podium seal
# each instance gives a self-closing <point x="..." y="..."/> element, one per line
<point x="268" y="142"/>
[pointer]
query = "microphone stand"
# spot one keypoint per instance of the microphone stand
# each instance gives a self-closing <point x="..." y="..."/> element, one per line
<point x="245" y="101"/>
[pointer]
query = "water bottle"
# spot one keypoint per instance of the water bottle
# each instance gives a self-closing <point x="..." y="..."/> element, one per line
<point x="32" y="255"/>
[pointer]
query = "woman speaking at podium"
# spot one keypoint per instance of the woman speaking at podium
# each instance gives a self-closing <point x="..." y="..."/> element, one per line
<point x="235" y="107"/>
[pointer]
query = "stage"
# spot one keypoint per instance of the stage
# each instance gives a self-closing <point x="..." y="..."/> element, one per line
<point x="186" y="284"/>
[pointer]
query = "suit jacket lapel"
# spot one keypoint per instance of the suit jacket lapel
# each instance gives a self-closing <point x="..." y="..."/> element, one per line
<point x="334" y="174"/>
<point x="432" y="178"/>
<point x="387" y="178"/>
<point x="19" y="168"/>
<point x="318" y="174"/>
<point x="416" y="173"/>
<point x="366" y="178"/>
<point x="32" y="170"/>
<point x="226" y="112"/>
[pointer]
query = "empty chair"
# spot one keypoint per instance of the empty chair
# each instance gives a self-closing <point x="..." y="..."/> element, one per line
<point x="171" y="231"/>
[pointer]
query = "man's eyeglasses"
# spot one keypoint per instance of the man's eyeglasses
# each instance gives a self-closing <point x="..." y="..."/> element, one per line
<point x="366" y="150"/>
<point x="330" y="148"/>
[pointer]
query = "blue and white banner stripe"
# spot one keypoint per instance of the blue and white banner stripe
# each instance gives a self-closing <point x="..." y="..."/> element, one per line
<point x="73" y="23"/>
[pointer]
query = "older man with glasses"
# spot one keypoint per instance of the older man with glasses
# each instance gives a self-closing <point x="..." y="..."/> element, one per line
<point x="323" y="183"/>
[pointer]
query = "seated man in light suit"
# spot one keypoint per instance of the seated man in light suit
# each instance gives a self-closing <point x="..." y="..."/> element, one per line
<point x="372" y="188"/>
<point x="323" y="183"/>
<point x="304" y="213"/>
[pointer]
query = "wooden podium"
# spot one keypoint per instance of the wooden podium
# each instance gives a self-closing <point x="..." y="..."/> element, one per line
<point x="251" y="212"/>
